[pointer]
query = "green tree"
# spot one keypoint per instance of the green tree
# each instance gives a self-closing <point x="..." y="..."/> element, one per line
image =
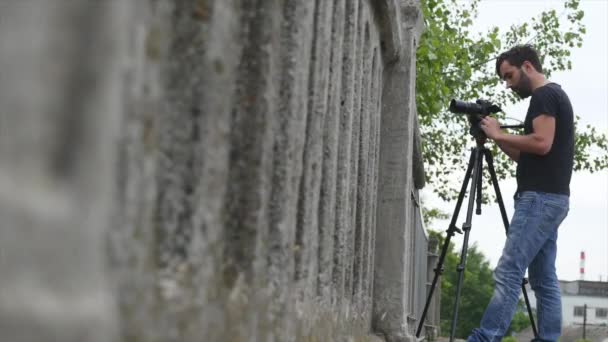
<point x="476" y="292"/>
<point x="453" y="62"/>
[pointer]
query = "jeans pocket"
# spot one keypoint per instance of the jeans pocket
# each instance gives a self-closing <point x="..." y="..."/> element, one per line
<point x="553" y="214"/>
<point x="525" y="203"/>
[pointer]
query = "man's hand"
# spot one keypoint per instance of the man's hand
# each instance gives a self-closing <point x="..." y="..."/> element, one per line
<point x="490" y="127"/>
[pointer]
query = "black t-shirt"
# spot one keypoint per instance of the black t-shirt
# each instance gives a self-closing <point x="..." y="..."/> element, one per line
<point x="551" y="172"/>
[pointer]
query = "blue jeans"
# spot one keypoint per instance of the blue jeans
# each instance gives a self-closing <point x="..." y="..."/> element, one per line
<point x="531" y="243"/>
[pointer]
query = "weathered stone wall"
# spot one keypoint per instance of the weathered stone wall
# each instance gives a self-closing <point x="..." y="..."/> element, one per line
<point x="252" y="163"/>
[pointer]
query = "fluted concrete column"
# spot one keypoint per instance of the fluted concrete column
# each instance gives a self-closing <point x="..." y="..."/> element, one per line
<point x="393" y="257"/>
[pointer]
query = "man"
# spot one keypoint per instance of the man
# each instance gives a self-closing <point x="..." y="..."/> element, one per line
<point x="544" y="156"/>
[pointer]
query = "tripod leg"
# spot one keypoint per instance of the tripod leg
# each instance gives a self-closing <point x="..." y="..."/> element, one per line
<point x="505" y="221"/>
<point x="467" y="229"/>
<point x="450" y="232"/>
<point x="479" y="187"/>
<point x="501" y="206"/>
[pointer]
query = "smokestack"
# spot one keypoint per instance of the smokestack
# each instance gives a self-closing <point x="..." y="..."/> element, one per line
<point x="582" y="266"/>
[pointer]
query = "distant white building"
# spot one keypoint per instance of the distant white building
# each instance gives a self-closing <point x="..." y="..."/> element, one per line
<point x="575" y="295"/>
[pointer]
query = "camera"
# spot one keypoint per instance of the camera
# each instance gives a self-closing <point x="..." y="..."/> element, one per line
<point x="475" y="112"/>
<point x="480" y="107"/>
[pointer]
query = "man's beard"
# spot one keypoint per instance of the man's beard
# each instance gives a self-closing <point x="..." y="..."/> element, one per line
<point x="524" y="86"/>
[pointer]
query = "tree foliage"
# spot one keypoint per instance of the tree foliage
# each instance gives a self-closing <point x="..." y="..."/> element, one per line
<point x="453" y="62"/>
<point x="476" y="292"/>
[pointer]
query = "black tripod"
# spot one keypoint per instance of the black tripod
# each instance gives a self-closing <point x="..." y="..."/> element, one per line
<point x="474" y="169"/>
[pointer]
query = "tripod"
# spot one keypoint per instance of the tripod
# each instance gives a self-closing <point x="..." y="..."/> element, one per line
<point x="474" y="170"/>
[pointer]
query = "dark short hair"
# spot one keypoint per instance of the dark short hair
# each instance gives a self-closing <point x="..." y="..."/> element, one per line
<point x="517" y="55"/>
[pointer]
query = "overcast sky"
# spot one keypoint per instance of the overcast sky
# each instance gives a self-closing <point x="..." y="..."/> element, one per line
<point x="586" y="227"/>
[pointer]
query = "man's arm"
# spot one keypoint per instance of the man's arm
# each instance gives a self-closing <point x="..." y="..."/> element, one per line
<point x="513" y="153"/>
<point x="539" y="142"/>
